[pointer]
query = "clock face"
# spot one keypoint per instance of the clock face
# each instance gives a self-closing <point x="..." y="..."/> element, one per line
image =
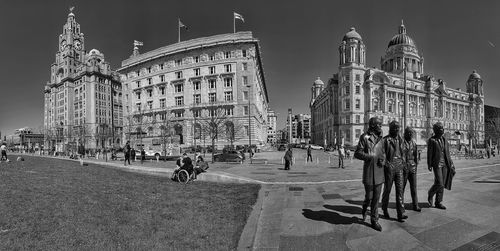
<point x="63" y="44"/>
<point x="78" y="45"/>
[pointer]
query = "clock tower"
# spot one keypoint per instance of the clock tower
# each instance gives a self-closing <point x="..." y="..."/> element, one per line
<point x="71" y="50"/>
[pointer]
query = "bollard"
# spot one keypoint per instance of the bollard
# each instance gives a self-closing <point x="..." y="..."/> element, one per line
<point x="329" y="159"/>
<point x="157" y="158"/>
<point x="317" y="160"/>
<point x="282" y="160"/>
<point x="81" y="162"/>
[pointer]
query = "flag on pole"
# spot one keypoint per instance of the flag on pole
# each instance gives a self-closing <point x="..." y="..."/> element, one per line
<point x="181" y="25"/>
<point x="138" y="43"/>
<point x="238" y="16"/>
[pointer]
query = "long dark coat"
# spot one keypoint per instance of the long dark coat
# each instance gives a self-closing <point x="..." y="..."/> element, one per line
<point x="434" y="151"/>
<point x="373" y="170"/>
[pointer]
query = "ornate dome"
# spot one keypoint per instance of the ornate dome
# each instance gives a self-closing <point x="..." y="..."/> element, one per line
<point x="401" y="37"/>
<point x="352" y="34"/>
<point x="474" y="75"/>
<point x="318" y="82"/>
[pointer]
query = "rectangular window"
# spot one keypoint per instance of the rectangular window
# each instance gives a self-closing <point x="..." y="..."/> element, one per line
<point x="162" y="90"/>
<point x="162" y="78"/>
<point x="162" y="103"/>
<point x="244" y="66"/>
<point x="245" y="95"/>
<point x="347" y="104"/>
<point x="245" y="110"/>
<point x="347" y="77"/>
<point x="358" y="133"/>
<point x="138" y="95"/>
<point x="245" y="128"/>
<point x="245" y="80"/>
<point x="179" y="101"/>
<point x="161" y="66"/>
<point x="138" y="107"/>
<point x="358" y="77"/>
<point x="347" y="90"/>
<point x="228" y="68"/>
<point x="179" y="88"/>
<point x="197" y="59"/>
<point x="150" y="105"/>
<point x="229" y="111"/>
<point x="178" y="74"/>
<point x="212" y="97"/>
<point x="358" y="119"/>
<point x="149" y="69"/>
<point x="197" y="98"/>
<point x="244" y="53"/>
<point x="196" y="113"/>
<point x="138" y="84"/>
<point x="150" y="93"/>
<point x="212" y="84"/>
<point x="358" y="104"/>
<point x="228" y="96"/>
<point x="197" y="72"/>
<point x="196" y="85"/>
<point x="211" y="57"/>
<point x="178" y="62"/>
<point x="357" y="89"/>
<point x="211" y="70"/>
<point x="228" y="82"/>
<point x="227" y="54"/>
<point x="179" y="114"/>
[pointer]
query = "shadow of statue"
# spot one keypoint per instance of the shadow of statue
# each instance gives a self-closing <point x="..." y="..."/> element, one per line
<point x="332" y="217"/>
<point x="344" y="209"/>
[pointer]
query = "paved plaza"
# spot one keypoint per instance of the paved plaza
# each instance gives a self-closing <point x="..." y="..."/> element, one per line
<point x="317" y="206"/>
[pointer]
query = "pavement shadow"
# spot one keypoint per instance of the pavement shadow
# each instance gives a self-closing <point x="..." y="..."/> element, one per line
<point x="332" y="217"/>
<point x="344" y="209"/>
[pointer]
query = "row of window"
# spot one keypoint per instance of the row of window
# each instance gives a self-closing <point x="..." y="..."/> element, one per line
<point x="179" y="75"/>
<point x="195" y="59"/>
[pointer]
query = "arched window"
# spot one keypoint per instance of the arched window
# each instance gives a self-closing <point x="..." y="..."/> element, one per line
<point x="375" y="105"/>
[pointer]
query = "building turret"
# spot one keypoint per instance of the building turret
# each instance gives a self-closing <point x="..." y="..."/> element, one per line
<point x="352" y="49"/>
<point x="475" y="84"/>
<point x="316" y="89"/>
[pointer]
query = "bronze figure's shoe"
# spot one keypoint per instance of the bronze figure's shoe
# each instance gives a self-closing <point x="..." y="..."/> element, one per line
<point x="376" y="226"/>
<point x="429" y="199"/>
<point x="440" y="206"/>
<point x="402" y="218"/>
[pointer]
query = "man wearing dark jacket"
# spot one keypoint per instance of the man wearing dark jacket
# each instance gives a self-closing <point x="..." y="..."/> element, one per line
<point x="393" y="170"/>
<point x="410" y="171"/>
<point x="439" y="161"/>
<point x="288" y="158"/>
<point x="373" y="171"/>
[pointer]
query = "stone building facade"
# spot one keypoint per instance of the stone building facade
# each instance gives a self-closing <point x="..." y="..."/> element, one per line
<point x="173" y="95"/>
<point x="271" y="123"/>
<point x="340" y="109"/>
<point x="82" y="99"/>
<point x="492" y="124"/>
<point x="300" y="128"/>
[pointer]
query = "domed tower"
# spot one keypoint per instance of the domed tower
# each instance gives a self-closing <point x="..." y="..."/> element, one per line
<point x="316" y="89"/>
<point x="475" y="84"/>
<point x="402" y="49"/>
<point x="352" y="49"/>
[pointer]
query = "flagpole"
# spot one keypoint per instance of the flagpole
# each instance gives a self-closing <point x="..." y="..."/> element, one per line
<point x="179" y="29"/>
<point x="234" y="24"/>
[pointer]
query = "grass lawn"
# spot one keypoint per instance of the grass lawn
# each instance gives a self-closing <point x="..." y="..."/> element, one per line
<point x="51" y="204"/>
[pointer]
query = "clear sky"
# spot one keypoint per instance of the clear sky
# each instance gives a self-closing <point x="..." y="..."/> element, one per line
<point x="299" y="41"/>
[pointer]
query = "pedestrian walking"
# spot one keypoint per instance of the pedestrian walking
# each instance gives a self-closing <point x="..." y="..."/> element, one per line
<point x="288" y="158"/>
<point x="143" y="155"/>
<point x="126" y="150"/>
<point x="393" y="170"/>
<point x="309" y="155"/>
<point x="341" y="156"/>
<point x="410" y="172"/>
<point x="132" y="154"/>
<point x="3" y="149"/>
<point x="439" y="161"/>
<point x="373" y="171"/>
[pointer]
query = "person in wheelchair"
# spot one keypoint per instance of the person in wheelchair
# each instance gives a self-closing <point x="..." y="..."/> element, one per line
<point x="184" y="163"/>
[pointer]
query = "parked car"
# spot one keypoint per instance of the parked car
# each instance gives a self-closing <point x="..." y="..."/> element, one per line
<point x="229" y="156"/>
<point x="316" y="147"/>
<point x="281" y="147"/>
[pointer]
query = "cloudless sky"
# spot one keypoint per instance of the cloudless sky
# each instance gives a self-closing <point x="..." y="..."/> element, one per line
<point x="299" y="41"/>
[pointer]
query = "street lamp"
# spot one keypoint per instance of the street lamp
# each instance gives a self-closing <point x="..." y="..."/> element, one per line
<point x="249" y="124"/>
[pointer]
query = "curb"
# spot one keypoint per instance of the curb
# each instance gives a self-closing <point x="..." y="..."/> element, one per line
<point x="247" y="237"/>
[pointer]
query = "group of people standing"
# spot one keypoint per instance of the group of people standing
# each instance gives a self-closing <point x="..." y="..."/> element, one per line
<point x="130" y="153"/>
<point x="393" y="160"/>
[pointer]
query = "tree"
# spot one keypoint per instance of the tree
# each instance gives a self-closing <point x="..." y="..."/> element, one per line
<point x="164" y="129"/>
<point x="233" y="131"/>
<point x="212" y="124"/>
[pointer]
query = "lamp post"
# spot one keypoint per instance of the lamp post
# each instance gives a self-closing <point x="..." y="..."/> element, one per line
<point x="404" y="94"/>
<point x="249" y="124"/>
